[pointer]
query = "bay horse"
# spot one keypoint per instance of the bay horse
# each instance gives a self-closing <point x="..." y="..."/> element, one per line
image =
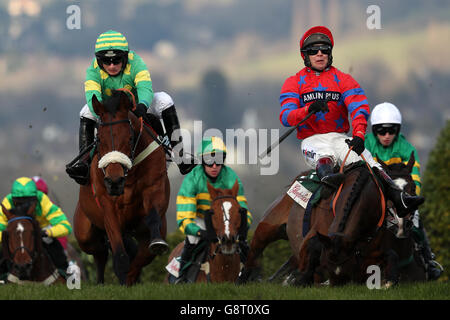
<point x="226" y="224"/>
<point x="128" y="193"/>
<point x="23" y="249"/>
<point x="274" y="226"/>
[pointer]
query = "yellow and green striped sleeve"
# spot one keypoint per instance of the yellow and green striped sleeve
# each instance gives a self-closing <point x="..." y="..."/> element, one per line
<point x="3" y="219"/>
<point x="186" y="211"/>
<point x="55" y="217"/>
<point x="142" y="80"/>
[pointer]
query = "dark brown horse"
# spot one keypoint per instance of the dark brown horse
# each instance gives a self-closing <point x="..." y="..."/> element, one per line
<point x="128" y="194"/>
<point x="225" y="223"/>
<point x="23" y="249"/>
<point x="408" y="263"/>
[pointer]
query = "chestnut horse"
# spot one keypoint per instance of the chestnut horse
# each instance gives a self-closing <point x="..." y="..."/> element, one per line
<point x="23" y="249"/>
<point x="226" y="223"/>
<point x="128" y="194"/>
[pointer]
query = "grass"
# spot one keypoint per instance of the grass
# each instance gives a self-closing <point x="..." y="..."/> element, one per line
<point x="226" y="291"/>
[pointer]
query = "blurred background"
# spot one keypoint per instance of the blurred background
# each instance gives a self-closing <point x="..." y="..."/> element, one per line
<point x="223" y="62"/>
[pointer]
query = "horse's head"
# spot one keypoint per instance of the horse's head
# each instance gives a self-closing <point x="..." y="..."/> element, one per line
<point x="21" y="240"/>
<point x="115" y="135"/>
<point x="226" y="217"/>
<point x="401" y="174"/>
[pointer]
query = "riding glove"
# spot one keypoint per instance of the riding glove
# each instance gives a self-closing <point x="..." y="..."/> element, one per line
<point x="357" y="143"/>
<point x="318" y="106"/>
<point x="141" y="110"/>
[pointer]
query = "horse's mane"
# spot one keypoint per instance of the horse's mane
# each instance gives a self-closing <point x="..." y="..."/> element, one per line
<point x="112" y="104"/>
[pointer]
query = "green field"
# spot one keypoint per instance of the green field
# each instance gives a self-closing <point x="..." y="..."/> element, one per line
<point x="256" y="291"/>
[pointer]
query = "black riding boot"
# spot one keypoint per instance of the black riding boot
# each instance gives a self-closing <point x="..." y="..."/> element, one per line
<point x="80" y="170"/>
<point x="403" y="202"/>
<point x="186" y="256"/>
<point x="171" y="124"/>
<point x="433" y="268"/>
<point x="324" y="169"/>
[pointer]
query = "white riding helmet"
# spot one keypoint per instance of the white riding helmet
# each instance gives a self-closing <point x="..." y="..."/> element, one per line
<point x="385" y="113"/>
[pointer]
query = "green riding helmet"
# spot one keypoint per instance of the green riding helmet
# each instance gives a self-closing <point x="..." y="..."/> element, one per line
<point x="111" y="47"/>
<point x="24" y="188"/>
<point x="212" y="150"/>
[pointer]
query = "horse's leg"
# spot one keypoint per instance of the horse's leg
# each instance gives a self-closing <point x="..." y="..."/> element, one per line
<point x="143" y="258"/>
<point x="92" y="241"/>
<point x="270" y="229"/>
<point x="392" y="268"/>
<point x="310" y="259"/>
<point x="121" y="262"/>
<point x="285" y="269"/>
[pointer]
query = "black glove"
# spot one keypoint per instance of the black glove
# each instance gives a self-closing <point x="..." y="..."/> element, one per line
<point x="357" y="143"/>
<point x="203" y="234"/>
<point x="141" y="111"/>
<point x="318" y="106"/>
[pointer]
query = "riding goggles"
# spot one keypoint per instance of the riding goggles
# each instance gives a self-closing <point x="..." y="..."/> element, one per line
<point x="108" y="60"/>
<point x="383" y="130"/>
<point x="210" y="159"/>
<point x="312" y="51"/>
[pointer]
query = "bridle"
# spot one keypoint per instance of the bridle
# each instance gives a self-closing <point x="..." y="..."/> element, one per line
<point x="32" y="254"/>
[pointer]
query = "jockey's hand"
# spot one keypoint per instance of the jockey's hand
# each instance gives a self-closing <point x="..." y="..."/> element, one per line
<point x="318" y="106"/>
<point x="357" y="143"/>
<point x="141" y="110"/>
<point x="45" y="237"/>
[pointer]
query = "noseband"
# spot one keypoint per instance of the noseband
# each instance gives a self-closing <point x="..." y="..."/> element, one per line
<point x="133" y="143"/>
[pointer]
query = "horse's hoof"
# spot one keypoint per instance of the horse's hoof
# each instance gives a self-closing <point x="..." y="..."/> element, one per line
<point x="158" y="247"/>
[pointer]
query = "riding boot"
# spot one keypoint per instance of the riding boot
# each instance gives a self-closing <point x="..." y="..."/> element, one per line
<point x="324" y="170"/>
<point x="433" y="268"/>
<point x="186" y="257"/>
<point x="80" y="170"/>
<point x="403" y="202"/>
<point x="171" y="123"/>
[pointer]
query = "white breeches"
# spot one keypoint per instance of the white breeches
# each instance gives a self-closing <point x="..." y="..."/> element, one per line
<point x="201" y="223"/>
<point x="161" y="101"/>
<point x="332" y="145"/>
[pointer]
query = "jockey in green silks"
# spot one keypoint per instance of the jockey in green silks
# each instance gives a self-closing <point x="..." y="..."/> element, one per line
<point x="115" y="67"/>
<point x="51" y="218"/>
<point x="390" y="146"/>
<point x="193" y="198"/>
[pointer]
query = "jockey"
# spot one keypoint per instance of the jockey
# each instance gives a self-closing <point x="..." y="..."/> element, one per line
<point x="115" y="67"/>
<point x="41" y="185"/>
<point x="391" y="146"/>
<point x="52" y="220"/>
<point x="331" y="96"/>
<point x="193" y="199"/>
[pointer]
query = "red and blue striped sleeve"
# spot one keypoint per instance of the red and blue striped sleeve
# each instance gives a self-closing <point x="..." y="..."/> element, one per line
<point x="291" y="107"/>
<point x="357" y="105"/>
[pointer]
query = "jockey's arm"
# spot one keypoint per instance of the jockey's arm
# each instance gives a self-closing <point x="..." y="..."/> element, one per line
<point x="3" y="219"/>
<point x="142" y="80"/>
<point x="357" y="105"/>
<point x="60" y="226"/>
<point x="92" y="84"/>
<point x="243" y="202"/>
<point x="291" y="112"/>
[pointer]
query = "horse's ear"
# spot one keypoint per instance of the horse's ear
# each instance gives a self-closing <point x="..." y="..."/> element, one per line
<point x="384" y="165"/>
<point x="6" y="212"/>
<point x="125" y="101"/>
<point x="31" y="209"/>
<point x="212" y="191"/>
<point x="235" y="188"/>
<point x="325" y="240"/>
<point x="412" y="160"/>
<point x="97" y="105"/>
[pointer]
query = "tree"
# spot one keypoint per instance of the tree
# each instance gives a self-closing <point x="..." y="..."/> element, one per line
<point x="436" y="210"/>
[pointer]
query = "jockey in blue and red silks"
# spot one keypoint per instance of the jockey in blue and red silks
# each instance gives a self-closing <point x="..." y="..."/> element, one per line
<point x="331" y="95"/>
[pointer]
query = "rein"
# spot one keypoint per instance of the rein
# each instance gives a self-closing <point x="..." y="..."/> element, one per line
<point x="383" y="202"/>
